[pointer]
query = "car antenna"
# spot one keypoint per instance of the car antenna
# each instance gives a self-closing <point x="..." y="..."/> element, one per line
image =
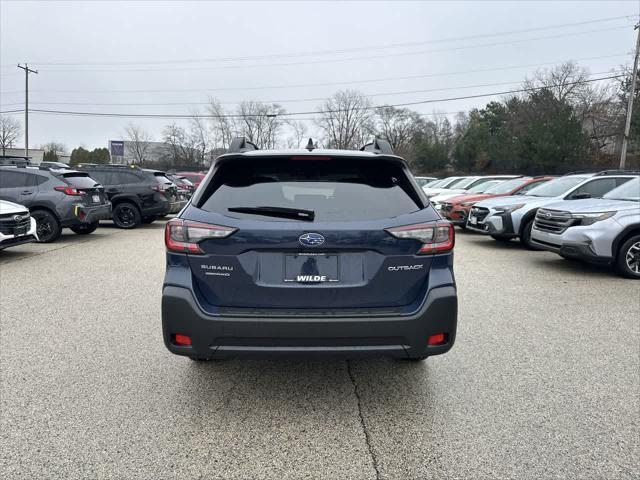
<point x="310" y="146"/>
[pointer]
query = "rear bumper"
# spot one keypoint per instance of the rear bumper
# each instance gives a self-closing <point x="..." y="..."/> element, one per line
<point x="81" y="214"/>
<point x="220" y="337"/>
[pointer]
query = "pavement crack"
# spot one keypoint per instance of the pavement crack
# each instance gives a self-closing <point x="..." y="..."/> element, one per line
<point x="363" y="423"/>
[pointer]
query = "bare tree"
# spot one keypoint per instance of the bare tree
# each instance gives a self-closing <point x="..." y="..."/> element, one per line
<point x="566" y="81"/>
<point x="261" y="123"/>
<point x="138" y="140"/>
<point x="10" y="130"/>
<point x="223" y="126"/>
<point x="182" y="147"/>
<point x="200" y="137"/>
<point x="299" y="133"/>
<point x="346" y="119"/>
<point x="399" y="126"/>
<point x="53" y="151"/>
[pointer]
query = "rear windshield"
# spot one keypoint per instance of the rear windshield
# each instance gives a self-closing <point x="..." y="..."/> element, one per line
<point x="335" y="190"/>
<point x="79" y="180"/>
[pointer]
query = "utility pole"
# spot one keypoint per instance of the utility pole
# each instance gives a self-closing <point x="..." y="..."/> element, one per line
<point x="627" y="125"/>
<point x="27" y="71"/>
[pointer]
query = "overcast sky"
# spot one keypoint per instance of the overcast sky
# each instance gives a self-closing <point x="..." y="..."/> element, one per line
<point x="172" y="56"/>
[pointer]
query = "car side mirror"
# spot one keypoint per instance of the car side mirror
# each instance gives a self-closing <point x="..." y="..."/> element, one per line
<point x="580" y="196"/>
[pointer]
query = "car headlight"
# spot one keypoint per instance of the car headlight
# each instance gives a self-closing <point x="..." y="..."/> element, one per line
<point x="509" y="208"/>
<point x="591" y="218"/>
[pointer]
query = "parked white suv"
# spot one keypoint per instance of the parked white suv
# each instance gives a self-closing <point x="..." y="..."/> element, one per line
<point x="505" y="218"/>
<point x="604" y="231"/>
<point x="17" y="226"/>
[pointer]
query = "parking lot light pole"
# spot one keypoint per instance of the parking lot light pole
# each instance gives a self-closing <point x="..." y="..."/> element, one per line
<point x="27" y="71"/>
<point x="627" y="125"/>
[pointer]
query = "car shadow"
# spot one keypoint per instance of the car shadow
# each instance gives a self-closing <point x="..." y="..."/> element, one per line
<point x="573" y="267"/>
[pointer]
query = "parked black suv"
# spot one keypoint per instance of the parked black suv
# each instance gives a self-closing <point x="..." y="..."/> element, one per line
<point x="56" y="199"/>
<point x="135" y="194"/>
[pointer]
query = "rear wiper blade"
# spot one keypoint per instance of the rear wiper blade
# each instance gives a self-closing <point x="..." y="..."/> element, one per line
<point x="282" y="212"/>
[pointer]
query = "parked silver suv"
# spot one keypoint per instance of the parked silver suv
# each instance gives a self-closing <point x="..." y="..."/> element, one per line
<point x="601" y="230"/>
<point x="505" y="218"/>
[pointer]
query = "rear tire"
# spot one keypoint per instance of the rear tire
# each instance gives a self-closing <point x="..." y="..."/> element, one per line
<point x="525" y="236"/>
<point x="85" y="228"/>
<point x="126" y="215"/>
<point x="628" y="260"/>
<point x="48" y="227"/>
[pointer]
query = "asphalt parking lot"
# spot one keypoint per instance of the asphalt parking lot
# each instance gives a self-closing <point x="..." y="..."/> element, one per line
<point x="543" y="382"/>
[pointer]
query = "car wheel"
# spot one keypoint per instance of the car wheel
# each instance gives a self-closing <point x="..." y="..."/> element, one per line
<point x="628" y="261"/>
<point x="126" y="215"/>
<point x="48" y="227"/>
<point x="525" y="235"/>
<point x="501" y="238"/>
<point x="147" y="220"/>
<point x="85" y="228"/>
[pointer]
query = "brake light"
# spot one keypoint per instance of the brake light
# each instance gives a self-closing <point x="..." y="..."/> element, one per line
<point x="184" y="236"/>
<point x="436" y="237"/>
<point x="69" y="191"/>
<point x="310" y="158"/>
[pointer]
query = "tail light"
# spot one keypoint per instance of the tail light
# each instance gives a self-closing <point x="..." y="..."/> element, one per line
<point x="184" y="236"/>
<point x="436" y="237"/>
<point x="69" y="191"/>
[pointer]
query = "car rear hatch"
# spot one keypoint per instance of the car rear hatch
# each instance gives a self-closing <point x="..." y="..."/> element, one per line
<point x="289" y="233"/>
<point x="81" y="184"/>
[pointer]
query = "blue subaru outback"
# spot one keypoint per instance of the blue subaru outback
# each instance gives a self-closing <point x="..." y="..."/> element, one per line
<point x="309" y="252"/>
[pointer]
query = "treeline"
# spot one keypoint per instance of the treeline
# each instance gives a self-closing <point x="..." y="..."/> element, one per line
<point x="560" y="121"/>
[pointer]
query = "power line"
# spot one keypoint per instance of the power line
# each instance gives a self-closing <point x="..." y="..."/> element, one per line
<point x="313" y="112"/>
<point x="345" y="50"/>
<point x="340" y="60"/>
<point x="295" y="100"/>
<point x="323" y="84"/>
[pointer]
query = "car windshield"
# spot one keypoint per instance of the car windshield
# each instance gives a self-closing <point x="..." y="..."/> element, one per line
<point x="431" y="183"/>
<point x="506" y="186"/>
<point x="629" y="191"/>
<point x="555" y="188"/>
<point x="333" y="191"/>
<point x="484" y="186"/>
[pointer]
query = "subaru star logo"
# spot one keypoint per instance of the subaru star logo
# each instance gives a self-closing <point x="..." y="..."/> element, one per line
<point x="311" y="239"/>
<point x="18" y="218"/>
<point x="547" y="215"/>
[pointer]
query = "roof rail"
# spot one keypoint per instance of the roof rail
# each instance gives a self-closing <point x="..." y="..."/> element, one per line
<point x="241" y="144"/>
<point x="110" y="165"/>
<point x="577" y="172"/>
<point x="378" y="146"/>
<point x="617" y="172"/>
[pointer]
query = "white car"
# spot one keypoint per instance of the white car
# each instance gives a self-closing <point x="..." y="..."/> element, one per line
<point x="17" y="226"/>
<point x="441" y="198"/>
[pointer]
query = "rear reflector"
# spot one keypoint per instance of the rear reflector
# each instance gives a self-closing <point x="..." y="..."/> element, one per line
<point x="437" y="339"/>
<point x="436" y="237"/>
<point x="184" y="235"/>
<point x="180" y="339"/>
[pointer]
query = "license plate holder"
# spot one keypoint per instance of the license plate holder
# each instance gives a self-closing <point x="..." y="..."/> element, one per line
<point x="473" y="220"/>
<point x="95" y="198"/>
<point x="312" y="268"/>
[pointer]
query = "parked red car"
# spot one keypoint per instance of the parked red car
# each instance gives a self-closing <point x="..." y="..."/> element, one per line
<point x="456" y="209"/>
<point x="194" y="177"/>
